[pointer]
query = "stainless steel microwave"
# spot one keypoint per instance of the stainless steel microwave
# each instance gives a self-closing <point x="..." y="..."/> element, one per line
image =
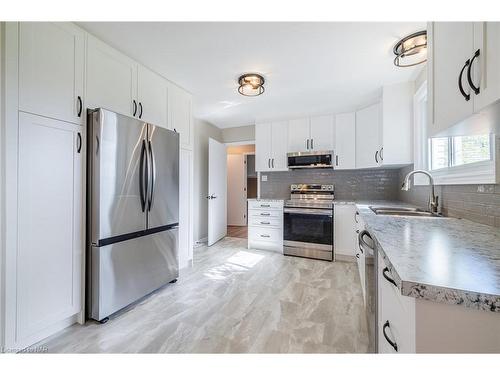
<point x="310" y="159"/>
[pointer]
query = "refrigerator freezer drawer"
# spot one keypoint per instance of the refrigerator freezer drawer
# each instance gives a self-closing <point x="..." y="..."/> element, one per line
<point x="124" y="272"/>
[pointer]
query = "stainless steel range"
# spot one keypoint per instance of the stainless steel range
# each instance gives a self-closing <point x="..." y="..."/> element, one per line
<point x="308" y="222"/>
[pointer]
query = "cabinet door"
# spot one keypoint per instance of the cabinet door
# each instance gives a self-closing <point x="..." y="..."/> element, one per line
<point x="180" y="115"/>
<point x="152" y="96"/>
<point x="50" y="217"/>
<point x="111" y="79"/>
<point x="368" y="137"/>
<point x="298" y="135"/>
<point x="345" y="230"/>
<point x="452" y="46"/>
<point x="322" y="133"/>
<point x="51" y="73"/>
<point x="345" y="141"/>
<point x="185" y="208"/>
<point x="263" y="147"/>
<point x="279" y="131"/>
<point x="485" y="66"/>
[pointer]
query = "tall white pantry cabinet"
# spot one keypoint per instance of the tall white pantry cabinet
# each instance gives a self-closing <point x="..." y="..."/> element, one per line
<point x="51" y="74"/>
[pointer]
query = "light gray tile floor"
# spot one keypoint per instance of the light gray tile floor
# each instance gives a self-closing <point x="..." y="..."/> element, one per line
<point x="235" y="300"/>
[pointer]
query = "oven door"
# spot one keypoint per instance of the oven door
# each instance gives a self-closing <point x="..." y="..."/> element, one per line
<point x="308" y="232"/>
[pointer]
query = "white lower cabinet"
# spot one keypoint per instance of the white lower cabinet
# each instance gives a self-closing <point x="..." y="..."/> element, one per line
<point x="396" y="315"/>
<point x="360" y="255"/>
<point x="51" y="216"/>
<point x="265" y="225"/>
<point x="344" y="231"/>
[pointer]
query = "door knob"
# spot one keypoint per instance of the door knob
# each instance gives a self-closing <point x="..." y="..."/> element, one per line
<point x="211" y="196"/>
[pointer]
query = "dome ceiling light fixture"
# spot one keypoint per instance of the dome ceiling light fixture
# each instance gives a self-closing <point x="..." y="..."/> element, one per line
<point x="251" y="84"/>
<point x="411" y="50"/>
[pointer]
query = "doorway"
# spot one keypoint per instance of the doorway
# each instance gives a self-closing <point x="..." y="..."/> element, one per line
<point x="241" y="185"/>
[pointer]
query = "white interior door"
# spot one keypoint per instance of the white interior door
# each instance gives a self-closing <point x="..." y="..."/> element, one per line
<point x="236" y="190"/>
<point x="217" y="191"/>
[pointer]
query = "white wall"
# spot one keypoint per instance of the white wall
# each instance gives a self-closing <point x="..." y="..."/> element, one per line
<point x="239" y="134"/>
<point x="202" y="131"/>
<point x="2" y="179"/>
<point x="236" y="185"/>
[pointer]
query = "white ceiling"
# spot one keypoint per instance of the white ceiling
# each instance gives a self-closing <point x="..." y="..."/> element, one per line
<point x="310" y="68"/>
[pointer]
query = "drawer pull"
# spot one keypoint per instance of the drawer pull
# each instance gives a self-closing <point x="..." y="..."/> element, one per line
<point x="391" y="343"/>
<point x="265" y="222"/>
<point x="390" y="279"/>
<point x="265" y="205"/>
<point x="265" y="235"/>
<point x="265" y="214"/>
<point x="357" y="255"/>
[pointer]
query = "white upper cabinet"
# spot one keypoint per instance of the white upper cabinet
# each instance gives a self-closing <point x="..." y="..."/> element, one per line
<point x="270" y="146"/>
<point x="397" y="124"/>
<point x="262" y="147"/>
<point x="152" y="97"/>
<point x="463" y="74"/>
<point x="311" y="134"/>
<point x="111" y="79"/>
<point x="322" y="133"/>
<point x="368" y="136"/>
<point x="450" y="50"/>
<point x="299" y="135"/>
<point x="486" y="64"/>
<point x="279" y="131"/>
<point x="179" y="106"/>
<point x="51" y="70"/>
<point x="51" y="214"/>
<point x="345" y="141"/>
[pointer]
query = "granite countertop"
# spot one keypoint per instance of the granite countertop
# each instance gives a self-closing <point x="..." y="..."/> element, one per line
<point x="447" y="260"/>
<point x="265" y="200"/>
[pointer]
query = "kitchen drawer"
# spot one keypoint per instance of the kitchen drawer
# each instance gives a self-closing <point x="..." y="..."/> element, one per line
<point x="265" y="205"/>
<point x="399" y="311"/>
<point x="262" y="221"/>
<point x="265" y="234"/>
<point x="258" y="214"/>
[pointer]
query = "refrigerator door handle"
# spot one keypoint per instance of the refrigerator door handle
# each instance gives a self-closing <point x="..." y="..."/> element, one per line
<point x="143" y="176"/>
<point x="152" y="174"/>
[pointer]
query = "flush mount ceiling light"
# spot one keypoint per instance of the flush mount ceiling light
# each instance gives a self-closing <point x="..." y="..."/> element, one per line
<point x="251" y="84"/>
<point x="411" y="50"/>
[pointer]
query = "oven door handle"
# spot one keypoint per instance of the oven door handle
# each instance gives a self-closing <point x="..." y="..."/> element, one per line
<point x="308" y="211"/>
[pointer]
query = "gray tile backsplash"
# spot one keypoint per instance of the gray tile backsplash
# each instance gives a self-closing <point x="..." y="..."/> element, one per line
<point x="370" y="184"/>
<point x="479" y="203"/>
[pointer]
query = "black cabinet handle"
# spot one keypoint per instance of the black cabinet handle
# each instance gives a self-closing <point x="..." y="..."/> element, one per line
<point x="381" y="154"/>
<point x="390" y="279"/>
<point x="80" y="106"/>
<point x="265" y="214"/>
<point x="376" y="156"/>
<point x="469" y="76"/>
<point x="460" y="87"/>
<point x="356" y="217"/>
<point x="391" y="343"/>
<point x="307" y="144"/>
<point x="78" y="142"/>
<point x="312" y="144"/>
<point x="140" y="107"/>
<point x="337" y="160"/>
<point x="361" y="240"/>
<point x="135" y="107"/>
<point x="357" y="256"/>
<point x="272" y="162"/>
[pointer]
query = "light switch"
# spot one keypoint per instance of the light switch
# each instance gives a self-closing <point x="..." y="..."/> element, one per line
<point x="264" y="178"/>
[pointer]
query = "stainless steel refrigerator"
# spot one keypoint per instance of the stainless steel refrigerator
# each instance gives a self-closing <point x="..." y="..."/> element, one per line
<point x="132" y="210"/>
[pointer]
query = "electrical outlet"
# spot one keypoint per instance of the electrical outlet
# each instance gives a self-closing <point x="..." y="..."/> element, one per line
<point x="264" y="178"/>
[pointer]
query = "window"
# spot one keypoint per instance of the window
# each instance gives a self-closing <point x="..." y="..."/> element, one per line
<point x="455" y="151"/>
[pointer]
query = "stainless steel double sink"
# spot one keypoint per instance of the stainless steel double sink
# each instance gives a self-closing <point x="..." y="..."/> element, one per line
<point x="402" y="211"/>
